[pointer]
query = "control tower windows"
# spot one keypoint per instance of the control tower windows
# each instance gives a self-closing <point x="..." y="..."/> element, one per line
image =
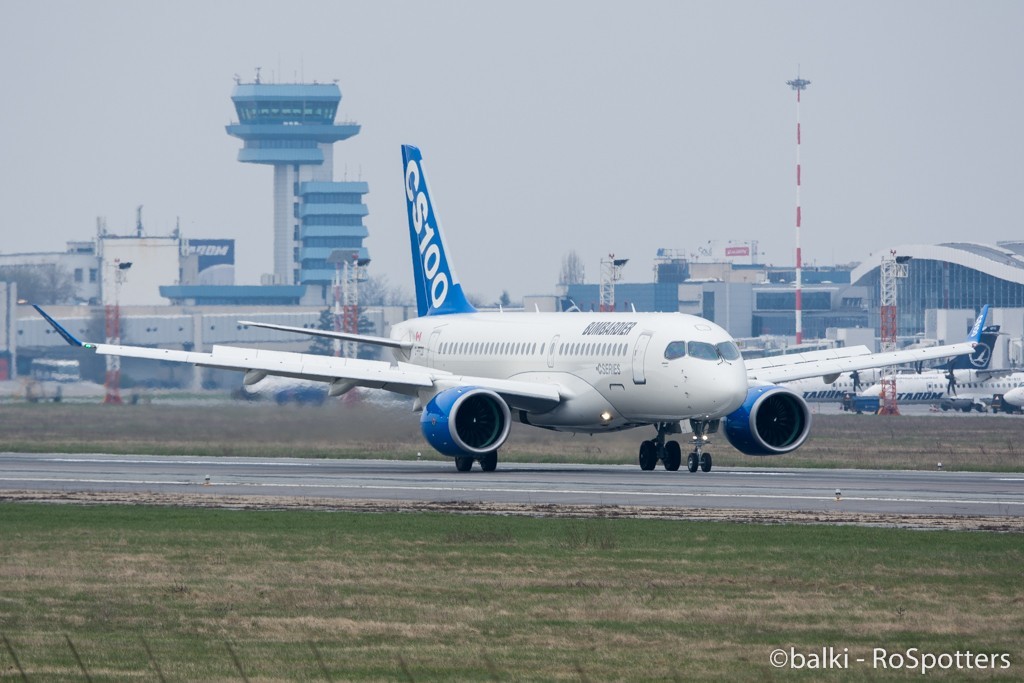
<point x="284" y="111"/>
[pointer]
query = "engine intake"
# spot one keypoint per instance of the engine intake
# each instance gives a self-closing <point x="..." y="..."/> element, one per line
<point x="772" y="420"/>
<point x="466" y="421"/>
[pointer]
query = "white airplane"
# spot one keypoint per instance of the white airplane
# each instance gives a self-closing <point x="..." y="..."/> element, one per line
<point x="964" y="390"/>
<point x="1015" y="397"/>
<point x="816" y="390"/>
<point x="472" y="373"/>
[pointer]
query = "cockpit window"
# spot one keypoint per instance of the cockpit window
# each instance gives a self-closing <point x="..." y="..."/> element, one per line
<point x="702" y="350"/>
<point x="676" y="349"/>
<point x="729" y="351"/>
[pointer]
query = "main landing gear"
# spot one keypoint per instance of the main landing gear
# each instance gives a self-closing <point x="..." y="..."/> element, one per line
<point x="670" y="453"/>
<point x="488" y="462"/>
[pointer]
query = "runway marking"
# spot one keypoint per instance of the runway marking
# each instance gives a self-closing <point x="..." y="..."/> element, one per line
<point x="102" y="481"/>
<point x="210" y="463"/>
<point x="462" y="489"/>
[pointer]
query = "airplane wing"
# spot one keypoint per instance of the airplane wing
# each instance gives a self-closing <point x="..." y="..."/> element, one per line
<point x="341" y="373"/>
<point x="821" y="364"/>
<point x="330" y="334"/>
<point x="834" y="362"/>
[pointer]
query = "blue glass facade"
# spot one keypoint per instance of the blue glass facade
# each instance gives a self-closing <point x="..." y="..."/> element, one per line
<point x="940" y="284"/>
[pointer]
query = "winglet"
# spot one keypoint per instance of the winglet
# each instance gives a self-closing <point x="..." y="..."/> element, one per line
<point x="979" y="326"/>
<point x="68" y="337"/>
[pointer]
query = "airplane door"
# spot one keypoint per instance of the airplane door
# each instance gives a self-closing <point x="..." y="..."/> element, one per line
<point x="639" y="351"/>
<point x="433" y="346"/>
<point x="551" y="351"/>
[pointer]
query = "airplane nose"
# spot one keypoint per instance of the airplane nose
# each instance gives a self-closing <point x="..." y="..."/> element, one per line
<point x="728" y="391"/>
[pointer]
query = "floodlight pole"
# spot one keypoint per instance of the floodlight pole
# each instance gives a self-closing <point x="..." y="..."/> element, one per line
<point x="798" y="84"/>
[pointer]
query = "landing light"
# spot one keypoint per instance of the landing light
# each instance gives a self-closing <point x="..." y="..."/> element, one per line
<point x="606" y="416"/>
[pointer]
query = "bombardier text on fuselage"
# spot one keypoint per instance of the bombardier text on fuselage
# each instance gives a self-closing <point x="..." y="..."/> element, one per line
<point x="471" y="373"/>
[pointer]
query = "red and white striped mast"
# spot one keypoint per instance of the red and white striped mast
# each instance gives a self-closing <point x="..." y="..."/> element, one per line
<point x="798" y="84"/>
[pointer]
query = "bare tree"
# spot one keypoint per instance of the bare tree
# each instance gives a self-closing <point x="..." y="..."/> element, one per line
<point x="572" y="269"/>
<point x="377" y="291"/>
<point x="41" y="284"/>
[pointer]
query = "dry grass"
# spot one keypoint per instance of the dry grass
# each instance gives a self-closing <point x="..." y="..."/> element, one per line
<point x="443" y="597"/>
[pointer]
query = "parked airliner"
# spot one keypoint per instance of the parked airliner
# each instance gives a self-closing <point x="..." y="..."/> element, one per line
<point x="963" y="390"/>
<point x="472" y="372"/>
<point x="816" y="390"/>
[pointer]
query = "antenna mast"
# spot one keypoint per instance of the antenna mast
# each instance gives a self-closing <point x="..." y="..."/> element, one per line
<point x="798" y="84"/>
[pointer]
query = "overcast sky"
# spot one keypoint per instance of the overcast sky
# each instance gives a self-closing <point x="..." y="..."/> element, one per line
<point x="545" y="126"/>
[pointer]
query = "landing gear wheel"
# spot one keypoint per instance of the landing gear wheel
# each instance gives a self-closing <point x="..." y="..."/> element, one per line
<point x="673" y="456"/>
<point x="705" y="462"/>
<point x="691" y="461"/>
<point x="463" y="464"/>
<point x="489" y="462"/>
<point x="648" y="455"/>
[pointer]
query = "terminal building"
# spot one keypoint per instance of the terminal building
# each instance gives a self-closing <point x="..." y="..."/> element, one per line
<point x="955" y="275"/>
<point x="947" y="284"/>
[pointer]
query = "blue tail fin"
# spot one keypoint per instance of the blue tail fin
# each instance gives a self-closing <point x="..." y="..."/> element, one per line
<point x="438" y="291"/>
<point x="979" y="325"/>
<point x="984" y="338"/>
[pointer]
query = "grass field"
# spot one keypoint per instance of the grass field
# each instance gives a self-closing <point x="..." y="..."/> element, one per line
<point x="184" y="594"/>
<point x="342" y="429"/>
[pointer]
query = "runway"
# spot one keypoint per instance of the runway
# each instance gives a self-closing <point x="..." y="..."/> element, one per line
<point x="811" y="490"/>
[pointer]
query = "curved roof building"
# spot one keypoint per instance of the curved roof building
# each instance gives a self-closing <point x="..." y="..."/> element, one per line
<point x="953" y="275"/>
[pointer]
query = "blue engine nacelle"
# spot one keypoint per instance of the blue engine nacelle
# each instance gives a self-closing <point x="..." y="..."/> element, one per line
<point x="772" y="420"/>
<point x="466" y="421"/>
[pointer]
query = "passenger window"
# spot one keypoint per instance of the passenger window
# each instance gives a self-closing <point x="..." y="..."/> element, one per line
<point x="676" y="349"/>
<point x="702" y="350"/>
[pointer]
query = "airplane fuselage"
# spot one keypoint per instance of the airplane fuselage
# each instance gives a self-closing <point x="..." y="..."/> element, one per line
<point x="933" y="387"/>
<point x="814" y="389"/>
<point x="615" y="370"/>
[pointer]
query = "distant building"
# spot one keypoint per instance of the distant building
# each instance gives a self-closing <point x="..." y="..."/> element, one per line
<point x="79" y="262"/>
<point x="747" y="299"/>
<point x="954" y="275"/>
<point x="292" y="128"/>
<point x="158" y="262"/>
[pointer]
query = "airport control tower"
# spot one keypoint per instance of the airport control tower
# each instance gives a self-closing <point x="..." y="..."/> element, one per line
<point x="291" y="127"/>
